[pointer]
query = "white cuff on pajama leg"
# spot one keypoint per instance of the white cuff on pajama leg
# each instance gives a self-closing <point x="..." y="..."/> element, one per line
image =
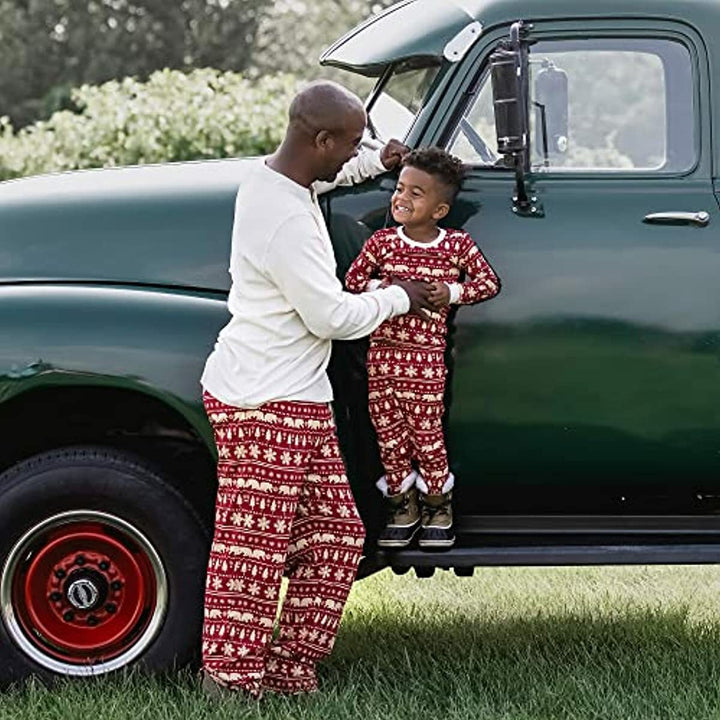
<point x="448" y="485"/>
<point x="407" y="483"/>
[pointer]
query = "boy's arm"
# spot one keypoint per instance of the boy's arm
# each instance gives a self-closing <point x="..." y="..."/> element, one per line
<point x="481" y="282"/>
<point x="359" y="276"/>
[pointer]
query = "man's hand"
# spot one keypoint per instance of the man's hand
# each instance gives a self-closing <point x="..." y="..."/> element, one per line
<point x="439" y="295"/>
<point x="419" y="293"/>
<point x="393" y="153"/>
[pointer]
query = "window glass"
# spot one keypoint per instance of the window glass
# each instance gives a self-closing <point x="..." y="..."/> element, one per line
<point x="395" y="108"/>
<point x="596" y="105"/>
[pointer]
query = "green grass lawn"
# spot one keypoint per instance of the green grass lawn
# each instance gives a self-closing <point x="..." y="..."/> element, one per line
<point x="540" y="644"/>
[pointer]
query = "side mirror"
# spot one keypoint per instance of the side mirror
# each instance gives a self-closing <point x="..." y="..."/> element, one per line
<point x="509" y="100"/>
<point x="551" y="110"/>
<point x="509" y="71"/>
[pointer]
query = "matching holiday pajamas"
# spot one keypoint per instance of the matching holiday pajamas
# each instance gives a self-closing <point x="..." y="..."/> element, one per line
<point x="284" y="505"/>
<point x="405" y="360"/>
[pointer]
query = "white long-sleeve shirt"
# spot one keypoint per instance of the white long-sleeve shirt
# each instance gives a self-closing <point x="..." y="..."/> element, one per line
<point x="285" y="301"/>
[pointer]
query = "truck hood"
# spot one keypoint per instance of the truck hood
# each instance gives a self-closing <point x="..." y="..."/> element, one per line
<point x="413" y="30"/>
<point x="160" y="225"/>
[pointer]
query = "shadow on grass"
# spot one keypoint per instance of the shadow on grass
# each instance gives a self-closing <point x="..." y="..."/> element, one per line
<point x="644" y="664"/>
<point x="390" y="664"/>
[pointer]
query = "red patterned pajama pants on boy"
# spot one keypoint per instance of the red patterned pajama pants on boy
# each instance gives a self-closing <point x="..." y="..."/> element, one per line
<point x="406" y="390"/>
<point x="284" y="506"/>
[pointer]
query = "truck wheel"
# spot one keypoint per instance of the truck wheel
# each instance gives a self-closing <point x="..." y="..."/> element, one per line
<point x="103" y="566"/>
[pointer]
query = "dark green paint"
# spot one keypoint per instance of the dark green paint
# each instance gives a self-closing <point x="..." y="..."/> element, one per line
<point x="150" y="342"/>
<point x="592" y="383"/>
<point x="594" y="376"/>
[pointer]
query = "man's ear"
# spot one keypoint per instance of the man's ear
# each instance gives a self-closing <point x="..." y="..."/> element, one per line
<point x="324" y="139"/>
<point x="441" y="211"/>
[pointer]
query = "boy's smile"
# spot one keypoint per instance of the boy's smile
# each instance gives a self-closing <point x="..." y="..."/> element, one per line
<point x="418" y="201"/>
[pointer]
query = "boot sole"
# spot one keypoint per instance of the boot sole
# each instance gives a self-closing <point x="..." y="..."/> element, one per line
<point x="398" y="543"/>
<point x="436" y="543"/>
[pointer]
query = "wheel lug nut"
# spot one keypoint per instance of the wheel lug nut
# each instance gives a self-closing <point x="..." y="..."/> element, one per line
<point x="92" y="620"/>
<point x="59" y="574"/>
<point x="116" y="585"/>
<point x="68" y="616"/>
<point x="80" y="560"/>
<point x="104" y="565"/>
<point x="55" y="596"/>
<point x="111" y="608"/>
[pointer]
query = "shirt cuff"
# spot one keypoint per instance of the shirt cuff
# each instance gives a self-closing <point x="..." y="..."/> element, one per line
<point x="374" y="284"/>
<point x="375" y="164"/>
<point x="455" y="292"/>
<point x="400" y="299"/>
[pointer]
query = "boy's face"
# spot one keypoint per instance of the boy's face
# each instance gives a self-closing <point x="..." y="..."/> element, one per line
<point x="418" y="199"/>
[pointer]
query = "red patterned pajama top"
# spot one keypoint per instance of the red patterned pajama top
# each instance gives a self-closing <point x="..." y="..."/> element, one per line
<point x="453" y="258"/>
<point x="405" y="361"/>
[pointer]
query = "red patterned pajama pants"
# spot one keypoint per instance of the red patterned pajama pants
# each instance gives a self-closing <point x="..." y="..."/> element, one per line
<point x="406" y="389"/>
<point x="284" y="506"/>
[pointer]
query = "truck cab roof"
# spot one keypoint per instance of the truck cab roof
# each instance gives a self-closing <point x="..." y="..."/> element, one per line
<point x="421" y="32"/>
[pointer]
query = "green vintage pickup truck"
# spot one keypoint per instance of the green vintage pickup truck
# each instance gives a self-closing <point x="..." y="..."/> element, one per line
<point x="583" y="412"/>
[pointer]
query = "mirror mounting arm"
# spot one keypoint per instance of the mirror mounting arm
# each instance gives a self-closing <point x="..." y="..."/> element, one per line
<point x="510" y="81"/>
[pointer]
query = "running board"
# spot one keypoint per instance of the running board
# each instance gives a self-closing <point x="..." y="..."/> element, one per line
<point x="588" y="524"/>
<point x="540" y="555"/>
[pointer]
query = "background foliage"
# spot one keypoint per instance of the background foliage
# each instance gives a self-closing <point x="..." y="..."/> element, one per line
<point x="47" y="47"/>
<point x="174" y="116"/>
<point x="116" y="82"/>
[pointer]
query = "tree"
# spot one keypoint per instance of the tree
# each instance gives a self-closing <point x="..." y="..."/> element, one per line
<point x="50" y="46"/>
<point x="293" y="33"/>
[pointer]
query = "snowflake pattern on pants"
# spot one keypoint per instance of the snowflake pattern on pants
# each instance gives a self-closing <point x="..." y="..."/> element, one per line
<point x="284" y="506"/>
<point x="405" y="400"/>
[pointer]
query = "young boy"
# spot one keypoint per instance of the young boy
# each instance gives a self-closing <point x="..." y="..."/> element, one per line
<point x="405" y="360"/>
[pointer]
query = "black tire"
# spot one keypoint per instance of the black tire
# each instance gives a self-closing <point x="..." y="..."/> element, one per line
<point x="135" y="537"/>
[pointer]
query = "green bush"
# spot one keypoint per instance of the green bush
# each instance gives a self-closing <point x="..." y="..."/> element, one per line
<point x="172" y="117"/>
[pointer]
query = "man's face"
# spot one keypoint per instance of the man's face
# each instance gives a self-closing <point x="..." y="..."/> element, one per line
<point x="340" y="146"/>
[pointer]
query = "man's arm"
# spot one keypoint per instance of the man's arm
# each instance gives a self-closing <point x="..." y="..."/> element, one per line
<point x="368" y="163"/>
<point x="297" y="260"/>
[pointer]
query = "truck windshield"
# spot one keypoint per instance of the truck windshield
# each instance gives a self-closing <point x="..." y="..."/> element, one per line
<point x="392" y="112"/>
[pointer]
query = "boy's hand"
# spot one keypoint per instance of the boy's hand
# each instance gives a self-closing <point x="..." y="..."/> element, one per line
<point x="439" y="295"/>
<point x="392" y="154"/>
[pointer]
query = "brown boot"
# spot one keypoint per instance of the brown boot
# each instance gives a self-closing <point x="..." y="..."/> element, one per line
<point x="403" y="520"/>
<point x="437" y="522"/>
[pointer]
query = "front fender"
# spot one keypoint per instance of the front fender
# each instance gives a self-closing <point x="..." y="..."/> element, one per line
<point x="151" y="340"/>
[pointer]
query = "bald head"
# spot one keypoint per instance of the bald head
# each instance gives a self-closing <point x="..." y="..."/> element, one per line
<point x="327" y="106"/>
<point x="326" y="128"/>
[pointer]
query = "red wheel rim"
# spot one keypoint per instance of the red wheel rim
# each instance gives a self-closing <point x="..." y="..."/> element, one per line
<point x="85" y="591"/>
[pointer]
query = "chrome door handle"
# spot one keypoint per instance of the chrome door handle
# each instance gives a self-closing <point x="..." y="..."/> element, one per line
<point x="700" y="218"/>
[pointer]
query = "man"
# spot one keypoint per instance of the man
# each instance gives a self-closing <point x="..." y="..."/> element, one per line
<point x="283" y="502"/>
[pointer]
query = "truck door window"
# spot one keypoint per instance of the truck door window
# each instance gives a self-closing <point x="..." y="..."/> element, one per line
<point x="629" y="108"/>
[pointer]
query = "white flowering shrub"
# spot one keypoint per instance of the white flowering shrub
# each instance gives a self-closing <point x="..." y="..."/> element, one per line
<point x="172" y="117"/>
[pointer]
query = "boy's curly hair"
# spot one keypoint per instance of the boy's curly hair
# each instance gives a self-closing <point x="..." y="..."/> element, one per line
<point x="439" y="163"/>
